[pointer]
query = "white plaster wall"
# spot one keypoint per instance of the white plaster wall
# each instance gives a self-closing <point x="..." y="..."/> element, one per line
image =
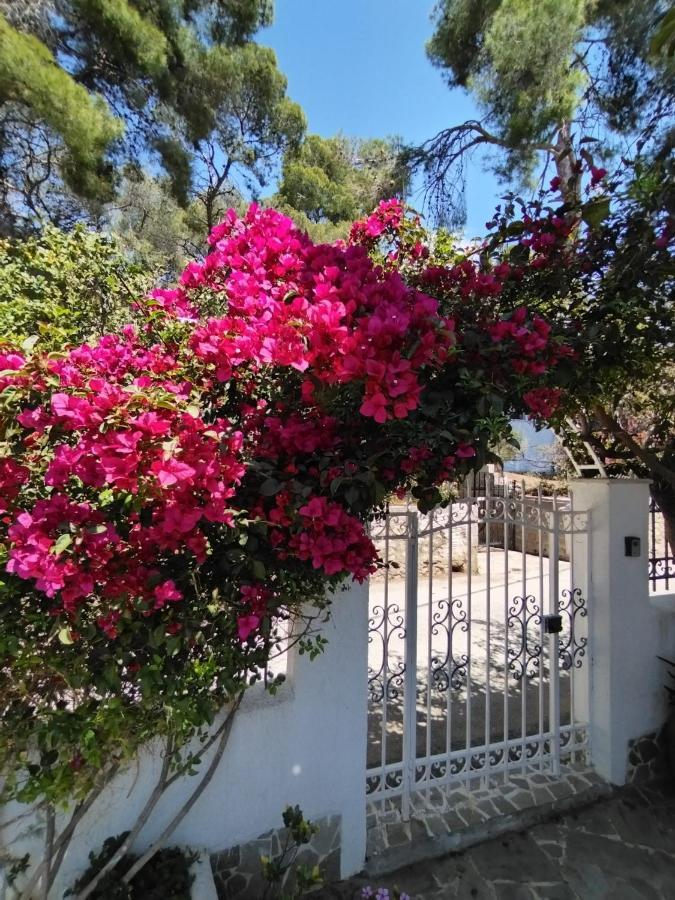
<point x="306" y="745"/>
<point x="627" y="630"/>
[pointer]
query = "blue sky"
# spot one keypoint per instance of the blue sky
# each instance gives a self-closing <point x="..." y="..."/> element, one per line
<point x="359" y="67"/>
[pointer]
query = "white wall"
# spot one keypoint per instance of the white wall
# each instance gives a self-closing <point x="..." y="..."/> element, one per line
<point x="306" y="745"/>
<point x="628" y="630"/>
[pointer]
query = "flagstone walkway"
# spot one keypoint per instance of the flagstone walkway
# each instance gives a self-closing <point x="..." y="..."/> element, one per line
<point x="622" y="848"/>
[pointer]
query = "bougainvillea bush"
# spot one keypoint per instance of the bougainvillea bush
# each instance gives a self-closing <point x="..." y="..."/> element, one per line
<point x="174" y="494"/>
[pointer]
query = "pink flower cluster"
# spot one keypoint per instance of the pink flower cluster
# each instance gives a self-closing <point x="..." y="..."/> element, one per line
<point x="12" y="476"/>
<point x="529" y="341"/>
<point x="255" y="601"/>
<point x="542" y="402"/>
<point x="323" y="310"/>
<point x="36" y="554"/>
<point x="331" y="540"/>
<point x="387" y="218"/>
<point x="140" y="457"/>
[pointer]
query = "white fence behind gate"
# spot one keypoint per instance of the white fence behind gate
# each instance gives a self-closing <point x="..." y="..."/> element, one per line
<point x="468" y="675"/>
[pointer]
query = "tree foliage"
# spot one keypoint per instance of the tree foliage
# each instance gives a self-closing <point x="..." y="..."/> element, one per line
<point x="31" y="78"/>
<point x="176" y="86"/>
<point x="544" y="72"/>
<point x="328" y="182"/>
<point x="153" y="227"/>
<point x="514" y="55"/>
<point x="65" y="287"/>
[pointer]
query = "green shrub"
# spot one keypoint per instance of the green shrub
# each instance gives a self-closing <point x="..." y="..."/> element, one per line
<point x="66" y="287"/>
<point x="166" y="877"/>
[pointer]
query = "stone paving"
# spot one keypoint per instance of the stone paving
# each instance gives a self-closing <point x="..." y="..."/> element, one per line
<point x="620" y="848"/>
<point x="456" y="816"/>
<point x="237" y="873"/>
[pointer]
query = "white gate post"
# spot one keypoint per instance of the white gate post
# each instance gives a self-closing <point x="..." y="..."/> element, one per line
<point x="553" y="638"/>
<point x="619" y="700"/>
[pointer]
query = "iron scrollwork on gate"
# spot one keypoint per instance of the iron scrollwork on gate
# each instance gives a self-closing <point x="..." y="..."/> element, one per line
<point x="572" y="650"/>
<point x="386" y="683"/>
<point x="525" y="653"/>
<point x="449" y="671"/>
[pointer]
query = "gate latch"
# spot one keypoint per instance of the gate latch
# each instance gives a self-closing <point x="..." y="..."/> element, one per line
<point x="552" y="624"/>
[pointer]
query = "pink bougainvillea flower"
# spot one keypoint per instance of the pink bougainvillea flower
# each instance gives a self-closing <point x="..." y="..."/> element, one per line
<point x="375" y="407"/>
<point x="543" y="402"/>
<point x="246" y="625"/>
<point x="165" y="593"/>
<point x="465" y="451"/>
<point x="12" y="361"/>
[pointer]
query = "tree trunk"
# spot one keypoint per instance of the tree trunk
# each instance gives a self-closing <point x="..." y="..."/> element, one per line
<point x="566" y="166"/>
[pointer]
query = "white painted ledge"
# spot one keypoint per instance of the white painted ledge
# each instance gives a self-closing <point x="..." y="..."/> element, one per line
<point x="663" y="602"/>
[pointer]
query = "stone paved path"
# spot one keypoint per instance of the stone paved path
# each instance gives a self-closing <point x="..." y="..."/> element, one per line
<point x="622" y="848"/>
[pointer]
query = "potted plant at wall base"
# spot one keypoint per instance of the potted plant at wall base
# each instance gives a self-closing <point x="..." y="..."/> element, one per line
<point x="167" y="877"/>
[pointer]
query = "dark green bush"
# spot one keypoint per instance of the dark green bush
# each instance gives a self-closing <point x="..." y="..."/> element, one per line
<point x="166" y="876"/>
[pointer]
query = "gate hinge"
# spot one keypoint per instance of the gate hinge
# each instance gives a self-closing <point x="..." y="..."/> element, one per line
<point x="552" y="624"/>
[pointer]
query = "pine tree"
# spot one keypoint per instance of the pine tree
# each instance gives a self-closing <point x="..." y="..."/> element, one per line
<point x="328" y="182"/>
<point x="91" y="90"/>
<point x="546" y="74"/>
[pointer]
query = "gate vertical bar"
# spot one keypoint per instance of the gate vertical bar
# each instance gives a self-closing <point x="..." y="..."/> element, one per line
<point x="429" y="663"/>
<point x="541" y="596"/>
<point x="385" y="645"/>
<point x="569" y="539"/>
<point x="410" y="684"/>
<point x="448" y="712"/>
<point x="488" y="574"/>
<point x="523" y="650"/>
<point x="508" y="514"/>
<point x="471" y="507"/>
<point x="554" y="639"/>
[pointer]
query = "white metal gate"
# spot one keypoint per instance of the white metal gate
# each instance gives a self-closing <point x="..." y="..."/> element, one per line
<point x="477" y="641"/>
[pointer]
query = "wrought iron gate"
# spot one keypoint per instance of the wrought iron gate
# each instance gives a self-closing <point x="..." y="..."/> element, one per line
<point x="477" y="640"/>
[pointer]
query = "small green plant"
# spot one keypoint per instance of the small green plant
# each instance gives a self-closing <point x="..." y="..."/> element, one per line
<point x="277" y="869"/>
<point x="166" y="877"/>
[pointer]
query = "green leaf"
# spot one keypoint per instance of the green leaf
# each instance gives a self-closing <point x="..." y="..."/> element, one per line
<point x="270" y="486"/>
<point x="62" y="543"/>
<point x="30" y="342"/>
<point x="664" y="39"/>
<point x="514" y="228"/>
<point x="65" y="636"/>
<point x="352" y="495"/>
<point x="519" y="255"/>
<point x="595" y="211"/>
